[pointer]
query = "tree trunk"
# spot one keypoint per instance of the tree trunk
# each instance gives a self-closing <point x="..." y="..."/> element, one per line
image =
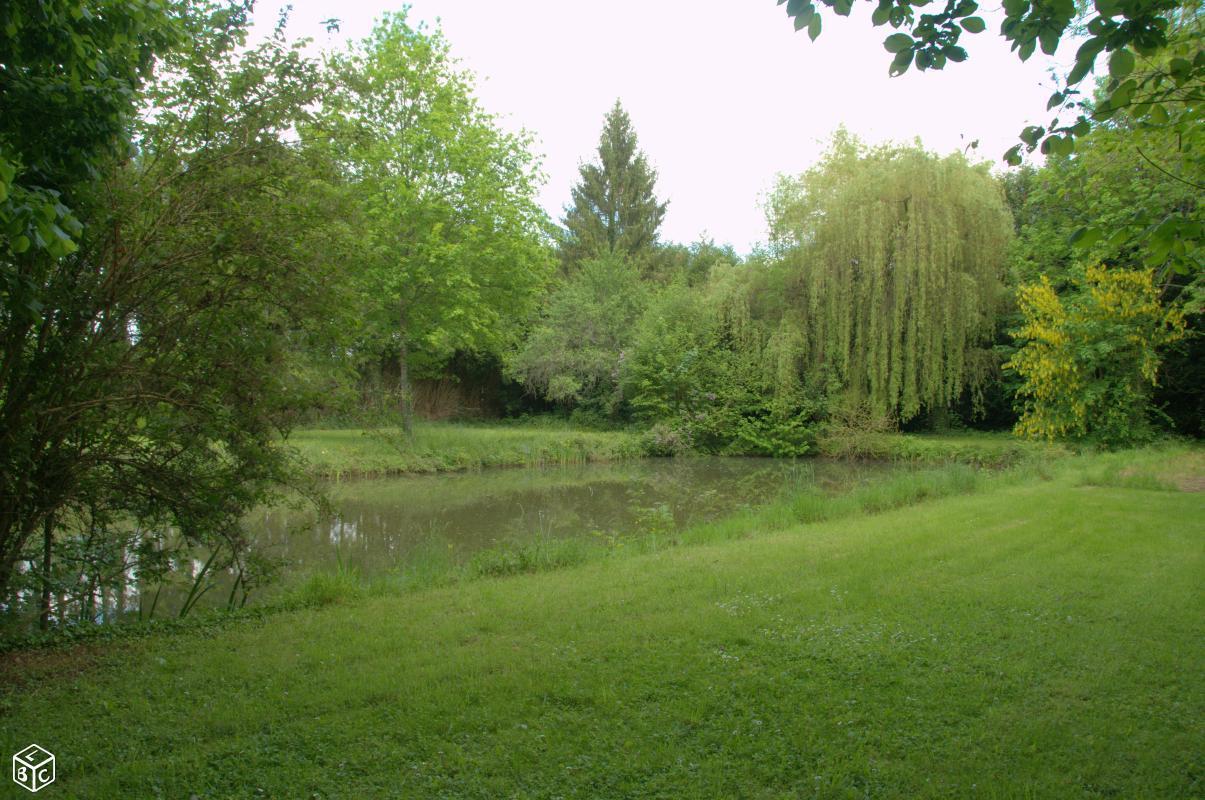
<point x="403" y="380"/>
<point x="47" y="542"/>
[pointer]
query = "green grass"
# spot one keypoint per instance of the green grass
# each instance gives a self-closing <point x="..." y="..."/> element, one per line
<point x="1037" y="639"/>
<point x="444" y="447"/>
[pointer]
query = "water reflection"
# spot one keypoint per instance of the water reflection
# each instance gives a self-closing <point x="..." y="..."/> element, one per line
<point x="377" y="525"/>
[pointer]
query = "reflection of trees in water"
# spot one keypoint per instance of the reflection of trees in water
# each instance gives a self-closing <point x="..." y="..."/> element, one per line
<point x="380" y="525"/>
<point x="377" y="525"/>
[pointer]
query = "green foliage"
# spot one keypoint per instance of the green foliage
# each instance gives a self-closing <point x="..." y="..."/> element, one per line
<point x="442" y="447"/>
<point x="895" y="258"/>
<point x="691" y="264"/>
<point x="450" y="249"/>
<point x="1125" y="199"/>
<point x="1128" y="196"/>
<point x="614" y="210"/>
<point x="150" y="391"/>
<point x="724" y="380"/>
<point x="575" y="351"/>
<point x="68" y="85"/>
<point x="1167" y="93"/>
<point x="1090" y="358"/>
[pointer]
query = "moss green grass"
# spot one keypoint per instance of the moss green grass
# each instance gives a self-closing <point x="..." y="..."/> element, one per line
<point x="443" y="447"/>
<point x="1037" y="639"/>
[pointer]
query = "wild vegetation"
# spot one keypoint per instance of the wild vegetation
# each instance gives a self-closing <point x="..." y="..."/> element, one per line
<point x="234" y="270"/>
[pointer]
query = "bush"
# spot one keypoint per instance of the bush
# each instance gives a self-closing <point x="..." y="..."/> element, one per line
<point x="664" y="440"/>
<point x="1089" y="360"/>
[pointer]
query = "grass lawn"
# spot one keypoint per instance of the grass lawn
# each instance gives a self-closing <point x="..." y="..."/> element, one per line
<point x="443" y="447"/>
<point x="1042" y="639"/>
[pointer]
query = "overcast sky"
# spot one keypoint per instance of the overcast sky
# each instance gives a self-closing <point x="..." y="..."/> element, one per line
<point x="723" y="93"/>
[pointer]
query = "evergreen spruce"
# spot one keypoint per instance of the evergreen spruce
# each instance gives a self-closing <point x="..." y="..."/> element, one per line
<point x="614" y="209"/>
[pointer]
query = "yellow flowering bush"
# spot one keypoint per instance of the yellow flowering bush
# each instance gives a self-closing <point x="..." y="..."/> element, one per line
<point x="1088" y="360"/>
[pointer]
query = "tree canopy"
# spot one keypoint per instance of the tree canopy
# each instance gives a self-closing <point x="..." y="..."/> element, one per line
<point x="451" y="248"/>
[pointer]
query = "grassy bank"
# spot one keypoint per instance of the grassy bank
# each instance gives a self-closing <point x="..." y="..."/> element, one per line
<point x="973" y="447"/>
<point x="444" y="447"/>
<point x="1038" y="639"/>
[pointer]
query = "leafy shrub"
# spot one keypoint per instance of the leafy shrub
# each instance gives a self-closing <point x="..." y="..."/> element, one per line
<point x="664" y="440"/>
<point x="1089" y="360"/>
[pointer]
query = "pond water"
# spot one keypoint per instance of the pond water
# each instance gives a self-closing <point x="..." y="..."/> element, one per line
<point x="375" y="526"/>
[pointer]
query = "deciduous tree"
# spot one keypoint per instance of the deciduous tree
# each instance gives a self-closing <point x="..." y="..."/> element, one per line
<point x="899" y="256"/>
<point x="454" y="249"/>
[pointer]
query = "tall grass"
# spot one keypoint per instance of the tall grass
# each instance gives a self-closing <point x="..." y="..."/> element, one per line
<point x="982" y="449"/>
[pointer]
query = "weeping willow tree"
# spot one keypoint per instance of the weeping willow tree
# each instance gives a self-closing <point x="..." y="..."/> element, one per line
<point x="899" y="256"/>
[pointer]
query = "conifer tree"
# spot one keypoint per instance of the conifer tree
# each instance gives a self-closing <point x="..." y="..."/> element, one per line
<point x="614" y="209"/>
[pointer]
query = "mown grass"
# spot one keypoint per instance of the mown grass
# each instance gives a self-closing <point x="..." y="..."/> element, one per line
<point x="1037" y="639"/>
<point x="444" y="447"/>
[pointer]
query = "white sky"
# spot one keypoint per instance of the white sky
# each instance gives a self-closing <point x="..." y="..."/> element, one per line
<point x="723" y="94"/>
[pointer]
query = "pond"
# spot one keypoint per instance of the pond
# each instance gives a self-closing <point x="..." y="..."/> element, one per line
<point x="376" y="526"/>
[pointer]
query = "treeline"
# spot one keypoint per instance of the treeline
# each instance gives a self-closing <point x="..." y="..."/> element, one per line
<point x="205" y="242"/>
<point x="897" y="288"/>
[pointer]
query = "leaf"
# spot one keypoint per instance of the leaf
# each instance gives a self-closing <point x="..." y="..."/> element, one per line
<point x="897" y="43"/>
<point x="1013" y="156"/>
<point x="973" y="24"/>
<point x="1055" y="99"/>
<point x="795" y="6"/>
<point x="1180" y="70"/>
<point x="843" y="7"/>
<point x="881" y="14"/>
<point x="1122" y="95"/>
<point x="1157" y="114"/>
<point x="814" y="27"/>
<point x="1031" y="135"/>
<point x="900" y="64"/>
<point x="1121" y="63"/>
<point x="1049" y="39"/>
<point x="1079" y="71"/>
<point x="1015" y="8"/>
<point x="1086" y="237"/>
<point x="1090" y="49"/>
